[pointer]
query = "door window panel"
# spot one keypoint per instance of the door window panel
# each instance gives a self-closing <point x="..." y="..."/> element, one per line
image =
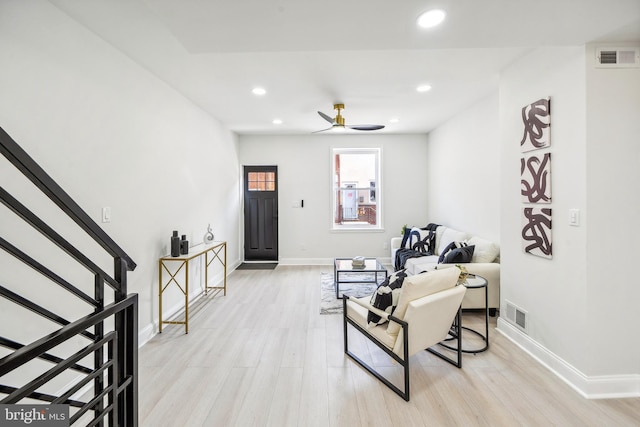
<point x="261" y="181"/>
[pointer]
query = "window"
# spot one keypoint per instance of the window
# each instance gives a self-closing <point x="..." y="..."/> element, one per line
<point x="356" y="188"/>
<point x="261" y="181"/>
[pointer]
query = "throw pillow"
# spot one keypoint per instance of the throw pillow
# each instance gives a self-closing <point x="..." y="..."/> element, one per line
<point x="450" y="235"/>
<point x="425" y="242"/>
<point x="421" y="285"/>
<point x="459" y="255"/>
<point x="419" y="239"/>
<point x="485" y="251"/>
<point x="386" y="297"/>
<point x="451" y="246"/>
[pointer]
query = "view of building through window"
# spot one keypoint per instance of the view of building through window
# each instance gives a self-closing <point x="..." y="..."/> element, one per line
<point x="261" y="181"/>
<point x="356" y="188"/>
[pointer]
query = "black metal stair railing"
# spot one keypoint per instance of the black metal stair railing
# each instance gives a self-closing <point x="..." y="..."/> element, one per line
<point x="105" y="385"/>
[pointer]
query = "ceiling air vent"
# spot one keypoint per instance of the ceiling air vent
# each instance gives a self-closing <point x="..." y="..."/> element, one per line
<point x="621" y="57"/>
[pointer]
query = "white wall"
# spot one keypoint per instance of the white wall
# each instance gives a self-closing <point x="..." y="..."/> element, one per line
<point x="613" y="203"/>
<point x="463" y="184"/>
<point x="111" y="134"/>
<point x="304" y="168"/>
<point x="576" y="301"/>
<point x="580" y="308"/>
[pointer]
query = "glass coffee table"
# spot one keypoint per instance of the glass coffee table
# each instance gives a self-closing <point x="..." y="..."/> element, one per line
<point x="344" y="272"/>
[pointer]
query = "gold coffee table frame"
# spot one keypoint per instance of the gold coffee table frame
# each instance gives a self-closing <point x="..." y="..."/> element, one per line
<point x="211" y="252"/>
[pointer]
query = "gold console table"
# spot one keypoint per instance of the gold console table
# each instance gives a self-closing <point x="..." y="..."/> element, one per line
<point x="211" y="252"/>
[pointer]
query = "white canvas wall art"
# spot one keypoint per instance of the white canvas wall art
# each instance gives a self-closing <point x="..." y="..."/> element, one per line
<point x="536" y="232"/>
<point x="535" y="178"/>
<point x="536" y="121"/>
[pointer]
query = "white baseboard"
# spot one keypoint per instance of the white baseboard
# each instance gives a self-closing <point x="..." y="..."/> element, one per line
<point x="145" y="334"/>
<point x="305" y="261"/>
<point x="321" y="261"/>
<point x="151" y="330"/>
<point x="600" y="387"/>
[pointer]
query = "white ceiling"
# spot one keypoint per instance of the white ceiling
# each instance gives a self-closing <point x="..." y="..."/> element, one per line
<point x="368" y="54"/>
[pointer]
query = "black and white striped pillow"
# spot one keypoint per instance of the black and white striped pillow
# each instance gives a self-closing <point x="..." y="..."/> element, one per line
<point x="386" y="297"/>
<point x="456" y="252"/>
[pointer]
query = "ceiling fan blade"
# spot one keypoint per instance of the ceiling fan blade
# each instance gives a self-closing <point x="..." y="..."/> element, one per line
<point x="327" y="118"/>
<point x="366" y="127"/>
<point x="322" y="130"/>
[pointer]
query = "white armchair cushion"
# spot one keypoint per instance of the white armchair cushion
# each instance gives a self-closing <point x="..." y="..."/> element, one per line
<point x="421" y="285"/>
<point x="434" y="314"/>
<point x="358" y="312"/>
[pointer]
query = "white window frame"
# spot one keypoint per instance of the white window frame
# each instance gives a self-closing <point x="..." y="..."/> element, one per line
<point x="377" y="151"/>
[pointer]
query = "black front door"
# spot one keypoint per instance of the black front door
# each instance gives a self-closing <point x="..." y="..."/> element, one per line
<point x="261" y="213"/>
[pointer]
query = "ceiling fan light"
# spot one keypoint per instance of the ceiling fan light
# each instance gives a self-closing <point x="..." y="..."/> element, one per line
<point x="394" y="120"/>
<point x="431" y="18"/>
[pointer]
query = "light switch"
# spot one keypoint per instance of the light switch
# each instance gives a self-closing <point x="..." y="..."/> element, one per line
<point x="106" y="214"/>
<point x="296" y="203"/>
<point x="574" y="217"/>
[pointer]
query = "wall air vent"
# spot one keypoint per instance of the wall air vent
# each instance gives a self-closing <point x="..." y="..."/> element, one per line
<point x="621" y="57"/>
<point x="517" y="316"/>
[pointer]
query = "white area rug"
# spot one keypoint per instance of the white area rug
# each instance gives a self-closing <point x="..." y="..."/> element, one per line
<point x="329" y="304"/>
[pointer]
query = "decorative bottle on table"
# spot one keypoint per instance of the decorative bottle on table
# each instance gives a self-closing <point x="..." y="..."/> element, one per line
<point x="184" y="245"/>
<point x="175" y="244"/>
<point x="208" y="236"/>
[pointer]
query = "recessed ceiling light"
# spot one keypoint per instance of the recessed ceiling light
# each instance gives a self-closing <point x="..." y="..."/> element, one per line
<point x="394" y="120"/>
<point x="259" y="91"/>
<point x="423" y="88"/>
<point x="431" y="18"/>
<point x="277" y="122"/>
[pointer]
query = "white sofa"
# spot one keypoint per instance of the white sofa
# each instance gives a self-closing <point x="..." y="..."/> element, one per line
<point x="485" y="262"/>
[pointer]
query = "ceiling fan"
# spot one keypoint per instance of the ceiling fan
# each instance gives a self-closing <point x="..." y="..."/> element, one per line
<point x="337" y="123"/>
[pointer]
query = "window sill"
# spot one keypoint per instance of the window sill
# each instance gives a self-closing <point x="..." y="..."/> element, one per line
<point x="348" y="229"/>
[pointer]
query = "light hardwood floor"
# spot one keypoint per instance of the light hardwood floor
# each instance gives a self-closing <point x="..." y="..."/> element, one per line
<point x="264" y="356"/>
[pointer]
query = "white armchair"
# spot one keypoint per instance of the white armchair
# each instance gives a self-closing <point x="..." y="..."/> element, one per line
<point x="426" y="309"/>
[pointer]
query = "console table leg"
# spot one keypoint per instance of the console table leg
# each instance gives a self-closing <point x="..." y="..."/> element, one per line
<point x="186" y="297"/>
<point x="160" y="296"/>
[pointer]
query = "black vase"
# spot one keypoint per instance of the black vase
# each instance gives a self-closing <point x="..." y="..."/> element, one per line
<point x="175" y="244"/>
<point x="184" y="245"/>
